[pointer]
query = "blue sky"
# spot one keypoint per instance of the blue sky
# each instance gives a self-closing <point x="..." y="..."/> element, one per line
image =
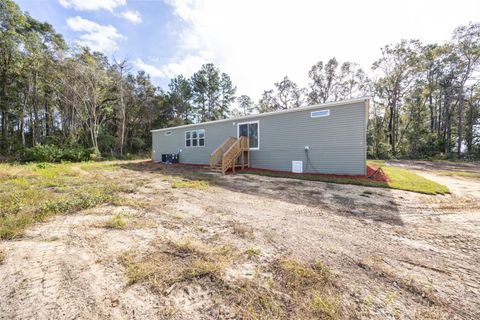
<point x="256" y="42"/>
<point x="149" y="37"/>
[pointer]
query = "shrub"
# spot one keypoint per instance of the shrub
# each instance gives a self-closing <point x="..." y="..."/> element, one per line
<point x="53" y="153"/>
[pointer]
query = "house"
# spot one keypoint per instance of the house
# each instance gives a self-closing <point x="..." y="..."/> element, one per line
<point x="323" y="138"/>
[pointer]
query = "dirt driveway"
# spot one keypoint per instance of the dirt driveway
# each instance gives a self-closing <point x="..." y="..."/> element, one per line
<point x="394" y="254"/>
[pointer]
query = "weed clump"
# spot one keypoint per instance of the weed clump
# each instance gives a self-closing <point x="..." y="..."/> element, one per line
<point x="252" y="253"/>
<point x="171" y="262"/>
<point x="295" y="290"/>
<point x="116" y="222"/>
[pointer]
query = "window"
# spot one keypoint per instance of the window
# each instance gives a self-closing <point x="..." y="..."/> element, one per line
<point x="201" y="138"/>
<point x="320" y="113"/>
<point x="195" y="138"/>
<point x="168" y="133"/>
<point x="250" y="129"/>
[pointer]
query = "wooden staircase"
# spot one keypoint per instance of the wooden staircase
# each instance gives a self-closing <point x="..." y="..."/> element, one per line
<point x="232" y="153"/>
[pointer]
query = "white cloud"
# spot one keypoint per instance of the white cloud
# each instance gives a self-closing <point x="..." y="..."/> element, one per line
<point x="185" y="9"/>
<point x="185" y="66"/>
<point x="92" y="5"/>
<point x="132" y="16"/>
<point x="259" y="42"/>
<point x="148" y="68"/>
<point x="96" y="36"/>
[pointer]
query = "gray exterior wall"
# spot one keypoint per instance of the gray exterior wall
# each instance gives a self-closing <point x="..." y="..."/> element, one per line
<point x="337" y="142"/>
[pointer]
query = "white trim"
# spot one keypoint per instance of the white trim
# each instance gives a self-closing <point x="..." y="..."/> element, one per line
<point x="258" y="133"/>
<point x="198" y="139"/>
<point x="204" y="138"/>
<point x="266" y="114"/>
<point x="325" y="113"/>
<point x="185" y="138"/>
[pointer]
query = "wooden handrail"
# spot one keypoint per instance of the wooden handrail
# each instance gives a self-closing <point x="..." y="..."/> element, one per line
<point x="228" y="153"/>
<point x="229" y="157"/>
<point x="217" y="154"/>
<point x="245" y="143"/>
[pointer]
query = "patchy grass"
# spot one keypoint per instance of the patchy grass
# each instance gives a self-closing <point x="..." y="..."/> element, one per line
<point x="298" y="274"/>
<point x="192" y="184"/>
<point x="116" y="222"/>
<point x="290" y="290"/>
<point x="252" y="253"/>
<point x="251" y="300"/>
<point x="321" y="306"/>
<point x="463" y="174"/>
<point x="137" y="271"/>
<point x="280" y="289"/>
<point x="123" y="221"/>
<point x="170" y="262"/>
<point x="295" y="290"/>
<point x="311" y="286"/>
<point x="33" y="192"/>
<point x="400" y="178"/>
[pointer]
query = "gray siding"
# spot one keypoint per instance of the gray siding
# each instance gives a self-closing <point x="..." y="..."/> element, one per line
<point x="337" y="143"/>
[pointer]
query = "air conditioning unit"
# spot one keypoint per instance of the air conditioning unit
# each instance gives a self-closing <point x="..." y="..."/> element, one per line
<point x="170" y="157"/>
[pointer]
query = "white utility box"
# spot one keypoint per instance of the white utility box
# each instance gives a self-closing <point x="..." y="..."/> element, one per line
<point x="297" y="166"/>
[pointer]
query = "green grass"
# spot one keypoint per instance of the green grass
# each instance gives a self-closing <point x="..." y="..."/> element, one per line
<point x="252" y="253"/>
<point x="399" y="178"/>
<point x="33" y="192"/>
<point x="192" y="184"/>
<point x="322" y="307"/>
<point x="376" y="163"/>
<point x="405" y="179"/>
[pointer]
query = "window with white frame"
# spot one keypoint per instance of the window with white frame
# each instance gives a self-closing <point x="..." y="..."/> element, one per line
<point x="250" y="130"/>
<point x="320" y="113"/>
<point x="195" y="138"/>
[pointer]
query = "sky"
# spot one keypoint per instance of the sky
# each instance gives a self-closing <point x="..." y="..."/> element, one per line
<point x="256" y="42"/>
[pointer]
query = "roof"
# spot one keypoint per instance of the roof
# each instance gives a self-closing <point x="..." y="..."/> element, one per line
<point x="266" y="114"/>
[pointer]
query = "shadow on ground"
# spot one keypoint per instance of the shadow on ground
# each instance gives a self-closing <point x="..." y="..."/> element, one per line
<point x="376" y="204"/>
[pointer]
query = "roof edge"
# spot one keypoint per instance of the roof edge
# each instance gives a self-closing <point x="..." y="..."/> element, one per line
<point x="313" y="106"/>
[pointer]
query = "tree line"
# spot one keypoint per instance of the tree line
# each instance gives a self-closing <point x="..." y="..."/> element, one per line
<point x="426" y="97"/>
